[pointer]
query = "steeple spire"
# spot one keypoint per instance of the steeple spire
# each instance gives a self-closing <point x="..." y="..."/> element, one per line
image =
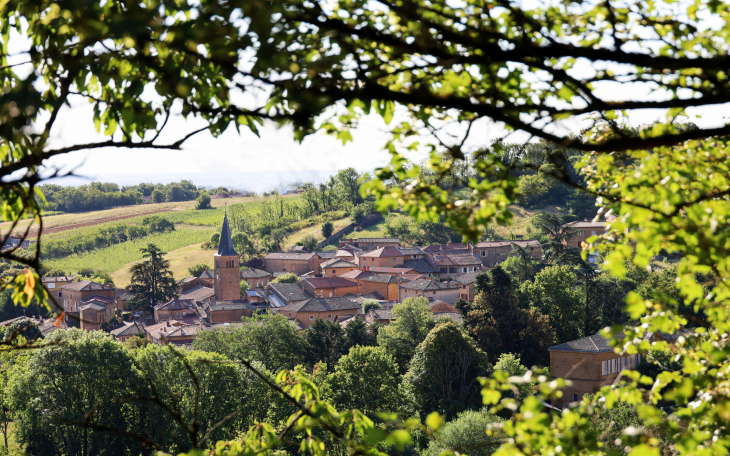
<point x="225" y="248"/>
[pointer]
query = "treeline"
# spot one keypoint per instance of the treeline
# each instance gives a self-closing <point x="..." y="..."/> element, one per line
<point x="104" y="195"/>
<point x="105" y="237"/>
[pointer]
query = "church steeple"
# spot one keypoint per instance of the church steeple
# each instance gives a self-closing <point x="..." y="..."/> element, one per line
<point x="225" y="248"/>
<point x="227" y="267"/>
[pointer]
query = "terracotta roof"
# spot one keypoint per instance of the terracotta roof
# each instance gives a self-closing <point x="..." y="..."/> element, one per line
<point x="420" y="265"/>
<point x="176" y="304"/>
<point x="85" y="285"/>
<point x="129" y="328"/>
<point x="322" y="305"/>
<point x="254" y="274"/>
<point x="385" y="278"/>
<point x="329" y="282"/>
<point x="522" y="243"/>
<point x="344" y="254"/>
<point x="197" y="294"/>
<point x="290" y="256"/>
<point x="595" y="343"/>
<point x="358" y="274"/>
<point x="225" y="247"/>
<point x="383" y="252"/>
<point x="468" y="278"/>
<point x="428" y="284"/>
<point x="289" y="291"/>
<point x="338" y="263"/>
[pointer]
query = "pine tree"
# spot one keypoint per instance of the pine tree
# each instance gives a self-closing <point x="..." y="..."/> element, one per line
<point x="152" y="280"/>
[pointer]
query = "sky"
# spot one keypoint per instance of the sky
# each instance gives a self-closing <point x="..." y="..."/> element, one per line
<point x="273" y="160"/>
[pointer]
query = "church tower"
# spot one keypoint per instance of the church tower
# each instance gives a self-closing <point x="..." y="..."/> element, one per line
<point x="226" y="268"/>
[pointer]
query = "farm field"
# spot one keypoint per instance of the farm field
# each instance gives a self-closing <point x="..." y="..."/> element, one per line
<point x="62" y="222"/>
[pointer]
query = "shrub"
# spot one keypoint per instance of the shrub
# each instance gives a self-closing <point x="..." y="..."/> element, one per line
<point x="327" y="229"/>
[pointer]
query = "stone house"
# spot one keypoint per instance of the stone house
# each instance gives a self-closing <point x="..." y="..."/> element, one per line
<point x="171" y="332"/>
<point x="329" y="287"/>
<point x="176" y="309"/>
<point x="382" y="316"/>
<point x="430" y="289"/>
<point x="583" y="230"/>
<point x="308" y="311"/>
<point x="491" y="253"/>
<point x="466" y="283"/>
<point x="385" y="284"/>
<point x="421" y="266"/>
<point x="381" y="257"/>
<point x="53" y="282"/>
<point x="284" y="294"/>
<point x="198" y="294"/>
<point x="298" y="263"/>
<point x="590" y="364"/>
<point x="128" y="330"/>
<point x="336" y="267"/>
<point x="256" y="279"/>
<point x="412" y="253"/>
<point x="228" y="311"/>
<point x="94" y="311"/>
<point x="71" y="294"/>
<point x="356" y="275"/>
<point x="208" y="276"/>
<point x="453" y="263"/>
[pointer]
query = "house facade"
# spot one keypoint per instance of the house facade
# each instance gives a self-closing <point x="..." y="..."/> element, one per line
<point x="430" y="289"/>
<point x="491" y="253"/>
<point x="382" y="257"/>
<point x="584" y="230"/>
<point x="305" y="313"/>
<point x="465" y="282"/>
<point x="329" y="287"/>
<point x="176" y="309"/>
<point x="336" y="267"/>
<point x="257" y="279"/>
<point x="298" y="263"/>
<point x="71" y="294"/>
<point x="385" y="284"/>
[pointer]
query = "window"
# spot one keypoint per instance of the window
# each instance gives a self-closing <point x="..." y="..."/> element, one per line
<point x="575" y="398"/>
<point x="59" y="294"/>
<point x="604" y="368"/>
<point x="452" y="270"/>
<point x="290" y="314"/>
<point x="333" y="271"/>
<point x="442" y="270"/>
<point x="484" y="253"/>
<point x="311" y="317"/>
<point x="593" y="232"/>
<point x="580" y="233"/>
<point x="614" y="365"/>
<point x="623" y="363"/>
<point x="329" y="317"/>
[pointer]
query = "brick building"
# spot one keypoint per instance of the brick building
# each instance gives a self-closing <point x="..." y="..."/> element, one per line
<point x="382" y="316"/>
<point x="227" y="304"/>
<point x="198" y="294"/>
<point x="453" y="263"/>
<point x="256" y="279"/>
<point x="356" y="275"/>
<point x="329" y="287"/>
<point x="431" y="289"/>
<point x="583" y="230"/>
<point x="385" y="284"/>
<point x="94" y="311"/>
<point x="208" y="276"/>
<point x="421" y="266"/>
<point x="337" y="266"/>
<point x="308" y="311"/>
<point x="298" y="263"/>
<point x="591" y="363"/>
<point x="171" y="332"/>
<point x="492" y="253"/>
<point x="128" y="330"/>
<point x="284" y="294"/>
<point x="228" y="311"/>
<point x="176" y="309"/>
<point x="381" y="257"/>
<point x="466" y="283"/>
<point x="412" y="253"/>
<point x="52" y="282"/>
<point x="71" y="294"/>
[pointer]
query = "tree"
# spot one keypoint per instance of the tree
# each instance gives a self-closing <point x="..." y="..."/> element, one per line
<point x="466" y="434"/>
<point x="413" y="321"/>
<point x="498" y="324"/>
<point x="327" y="229"/>
<point x="554" y="294"/>
<point x="310" y="242"/>
<point x="326" y="341"/>
<point x="368" y="304"/>
<point x="289" y="277"/>
<point x="426" y="61"/>
<point x="358" y="333"/>
<point x="158" y="196"/>
<point x="520" y="264"/>
<point x="197" y="270"/>
<point x="443" y="375"/>
<point x="203" y="201"/>
<point x="244" y="287"/>
<point x="265" y="338"/>
<point x="243" y="244"/>
<point x="365" y="379"/>
<point x="152" y="281"/>
<point x="510" y="364"/>
<point x="215" y="239"/>
<point x="348" y="187"/>
<point x="94" y="370"/>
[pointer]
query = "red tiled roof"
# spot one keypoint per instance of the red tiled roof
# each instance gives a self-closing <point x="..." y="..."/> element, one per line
<point x="441" y="307"/>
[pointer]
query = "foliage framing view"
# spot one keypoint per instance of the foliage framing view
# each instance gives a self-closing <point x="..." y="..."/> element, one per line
<point x="420" y="66"/>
